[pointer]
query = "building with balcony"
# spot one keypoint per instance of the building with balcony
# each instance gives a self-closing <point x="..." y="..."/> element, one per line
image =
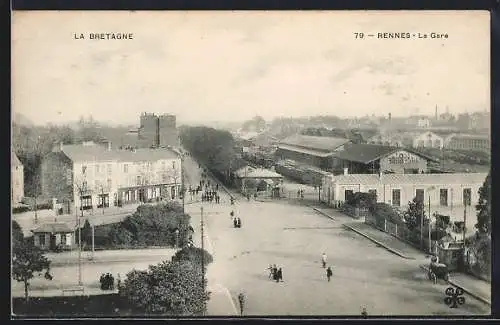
<point x="91" y="176"/>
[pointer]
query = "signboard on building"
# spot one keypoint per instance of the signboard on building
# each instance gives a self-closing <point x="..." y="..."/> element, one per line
<point x="403" y="157"/>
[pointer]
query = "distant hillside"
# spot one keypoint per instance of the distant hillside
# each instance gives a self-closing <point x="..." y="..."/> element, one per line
<point x="20" y="119"/>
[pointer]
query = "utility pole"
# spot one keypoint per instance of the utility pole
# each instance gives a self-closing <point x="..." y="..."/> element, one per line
<point x="202" y="260"/>
<point x="465" y="222"/>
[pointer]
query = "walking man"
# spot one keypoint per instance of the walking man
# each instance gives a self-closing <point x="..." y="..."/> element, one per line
<point x="280" y="275"/>
<point x="329" y="273"/>
<point x="323" y="260"/>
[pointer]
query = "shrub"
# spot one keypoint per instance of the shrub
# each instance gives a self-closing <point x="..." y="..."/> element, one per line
<point x="192" y="254"/>
<point x="169" y="288"/>
<point x="20" y="209"/>
<point x="384" y="210"/>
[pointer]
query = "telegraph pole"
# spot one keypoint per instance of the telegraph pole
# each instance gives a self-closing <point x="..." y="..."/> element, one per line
<point x="202" y="260"/>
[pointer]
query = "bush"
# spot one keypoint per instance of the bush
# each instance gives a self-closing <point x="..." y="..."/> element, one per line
<point x="192" y="254"/>
<point x="20" y="209"/>
<point x="169" y="288"/>
<point x="107" y="281"/>
<point x="384" y="210"/>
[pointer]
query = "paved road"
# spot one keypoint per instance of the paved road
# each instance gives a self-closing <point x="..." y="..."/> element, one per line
<point x="294" y="237"/>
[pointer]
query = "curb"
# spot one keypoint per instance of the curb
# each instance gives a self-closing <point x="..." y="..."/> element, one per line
<point x="392" y="250"/>
<point x="471" y="293"/>
<point x="322" y="213"/>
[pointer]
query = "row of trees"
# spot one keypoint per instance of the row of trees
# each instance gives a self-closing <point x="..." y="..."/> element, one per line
<point x="214" y="149"/>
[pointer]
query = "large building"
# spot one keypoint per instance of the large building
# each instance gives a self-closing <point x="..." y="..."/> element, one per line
<point x="95" y="176"/>
<point x="479" y="142"/>
<point x="312" y="150"/>
<point x="158" y="131"/>
<point x="440" y="190"/>
<point x="370" y="159"/>
<point x="17" y="181"/>
<point x="428" y="140"/>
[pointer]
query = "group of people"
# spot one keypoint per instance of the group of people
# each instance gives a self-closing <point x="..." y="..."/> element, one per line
<point x="236" y="220"/>
<point x="300" y="194"/>
<point x="329" y="271"/>
<point x="275" y="273"/>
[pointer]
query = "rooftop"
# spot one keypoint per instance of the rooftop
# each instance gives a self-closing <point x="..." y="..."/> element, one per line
<point x="366" y="153"/>
<point x="55" y="227"/>
<point x="100" y="153"/>
<point x="327" y="144"/>
<point x="417" y="179"/>
<point x="305" y="151"/>
<point x="249" y="172"/>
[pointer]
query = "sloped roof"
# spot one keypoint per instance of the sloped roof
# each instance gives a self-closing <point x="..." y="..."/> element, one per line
<point x="416" y="179"/>
<point x="54" y="227"/>
<point x="249" y="172"/>
<point x="305" y="151"/>
<point x="328" y="144"/>
<point x="366" y="153"/>
<point x="460" y="136"/>
<point x="99" y="153"/>
<point x="14" y="160"/>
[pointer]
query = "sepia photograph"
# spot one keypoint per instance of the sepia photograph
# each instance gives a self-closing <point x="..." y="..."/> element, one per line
<point x="250" y="164"/>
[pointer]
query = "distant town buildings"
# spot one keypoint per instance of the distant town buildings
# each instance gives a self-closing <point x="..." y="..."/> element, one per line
<point x="90" y="175"/>
<point x="428" y="140"/>
<point x="17" y="181"/>
<point x="158" y="131"/>
<point x="475" y="142"/>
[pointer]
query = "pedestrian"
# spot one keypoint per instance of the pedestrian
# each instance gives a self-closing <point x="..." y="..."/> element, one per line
<point x="235" y="222"/>
<point x="329" y="273"/>
<point x="280" y="275"/>
<point x="323" y="259"/>
<point x="217" y="187"/>
<point x="364" y="313"/>
<point x="270" y="269"/>
<point x="298" y="194"/>
<point x="255" y="196"/>
<point x="239" y="222"/>
<point x="275" y="272"/>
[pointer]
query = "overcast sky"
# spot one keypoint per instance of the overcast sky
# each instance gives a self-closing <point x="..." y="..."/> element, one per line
<point x="231" y="66"/>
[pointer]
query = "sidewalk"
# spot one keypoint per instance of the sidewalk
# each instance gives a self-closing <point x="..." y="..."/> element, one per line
<point x="385" y="240"/>
<point x="477" y="288"/>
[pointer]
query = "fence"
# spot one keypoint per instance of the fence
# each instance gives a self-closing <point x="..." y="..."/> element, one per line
<point x="413" y="237"/>
<point x="355" y="212"/>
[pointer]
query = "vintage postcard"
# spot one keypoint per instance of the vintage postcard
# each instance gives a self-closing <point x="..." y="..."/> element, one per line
<point x="251" y="164"/>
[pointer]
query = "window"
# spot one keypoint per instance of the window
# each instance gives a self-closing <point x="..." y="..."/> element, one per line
<point x="138" y="180"/>
<point x="86" y="202"/>
<point x="63" y="239"/>
<point x="443" y="197"/>
<point x="396" y="197"/>
<point x="125" y="168"/>
<point x="374" y="193"/>
<point x="164" y="178"/>
<point x="173" y="164"/>
<point x="419" y="195"/>
<point x="84" y="185"/>
<point x="110" y="183"/>
<point x="467" y="196"/>
<point x="84" y="169"/>
<point x="97" y="169"/>
<point x="41" y="238"/>
<point x="68" y="176"/>
<point x="109" y="169"/>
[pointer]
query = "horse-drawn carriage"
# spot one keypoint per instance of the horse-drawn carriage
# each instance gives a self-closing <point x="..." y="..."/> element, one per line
<point x="437" y="271"/>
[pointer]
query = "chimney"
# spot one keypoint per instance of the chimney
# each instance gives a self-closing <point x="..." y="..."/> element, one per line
<point x="346" y="171"/>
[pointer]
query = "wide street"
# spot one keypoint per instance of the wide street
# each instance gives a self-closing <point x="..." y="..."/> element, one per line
<point x="294" y="237"/>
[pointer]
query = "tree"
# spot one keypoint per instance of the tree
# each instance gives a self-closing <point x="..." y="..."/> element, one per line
<point x="169" y="288"/>
<point x="193" y="255"/>
<point x="483" y="208"/>
<point x="28" y="261"/>
<point x="17" y="234"/>
<point x="414" y="214"/>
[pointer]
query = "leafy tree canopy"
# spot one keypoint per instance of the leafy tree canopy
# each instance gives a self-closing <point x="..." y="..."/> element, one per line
<point x="483" y="207"/>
